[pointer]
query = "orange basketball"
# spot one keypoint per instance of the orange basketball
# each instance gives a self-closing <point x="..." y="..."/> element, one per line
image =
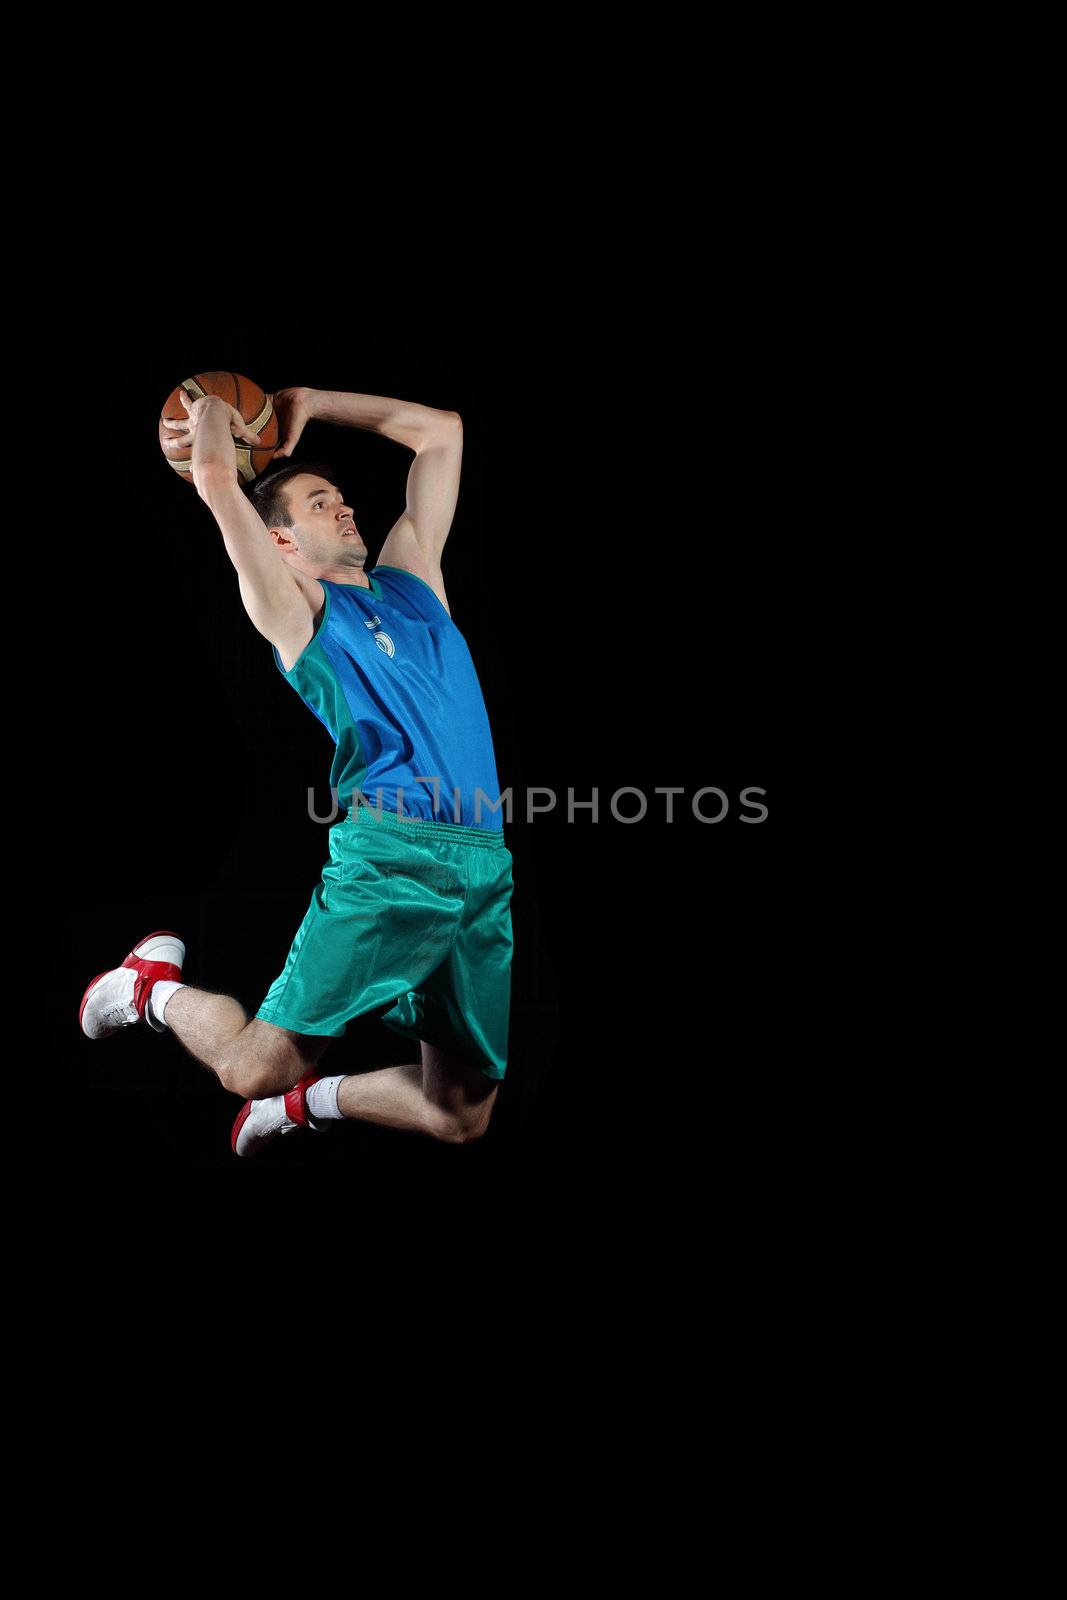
<point x="256" y="407"/>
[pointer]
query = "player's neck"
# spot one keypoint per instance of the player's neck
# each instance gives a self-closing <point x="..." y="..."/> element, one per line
<point x="354" y="577"/>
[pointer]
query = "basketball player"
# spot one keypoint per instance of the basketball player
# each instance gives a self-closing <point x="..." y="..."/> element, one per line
<point x="413" y="907"/>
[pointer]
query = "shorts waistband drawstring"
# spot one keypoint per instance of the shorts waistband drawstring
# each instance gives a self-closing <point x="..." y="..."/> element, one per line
<point x="493" y="838"/>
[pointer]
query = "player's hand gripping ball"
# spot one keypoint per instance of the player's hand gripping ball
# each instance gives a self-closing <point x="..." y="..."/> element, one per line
<point x="253" y="423"/>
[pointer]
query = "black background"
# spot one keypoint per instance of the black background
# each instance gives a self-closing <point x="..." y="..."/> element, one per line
<point x="621" y="566"/>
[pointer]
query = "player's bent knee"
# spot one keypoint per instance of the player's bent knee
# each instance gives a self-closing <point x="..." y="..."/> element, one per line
<point x="456" y="1133"/>
<point x="460" y="1127"/>
<point x="248" y="1075"/>
<point x="226" y="1070"/>
<point x="264" y="1060"/>
<point x="255" y="1084"/>
<point x="239" y="1077"/>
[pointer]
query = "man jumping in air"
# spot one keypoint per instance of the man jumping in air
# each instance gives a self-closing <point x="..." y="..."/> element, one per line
<point x="413" y="908"/>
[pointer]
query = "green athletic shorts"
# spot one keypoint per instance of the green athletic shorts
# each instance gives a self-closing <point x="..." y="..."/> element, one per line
<point x="418" y="913"/>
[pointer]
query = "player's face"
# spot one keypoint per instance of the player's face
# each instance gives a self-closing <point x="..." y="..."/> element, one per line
<point x="323" y="524"/>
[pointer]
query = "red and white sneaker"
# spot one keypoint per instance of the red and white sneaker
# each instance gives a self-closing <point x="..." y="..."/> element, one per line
<point x="118" y="997"/>
<point x="259" y="1120"/>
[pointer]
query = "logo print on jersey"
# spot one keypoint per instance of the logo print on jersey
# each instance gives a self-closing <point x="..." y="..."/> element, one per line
<point x="382" y="640"/>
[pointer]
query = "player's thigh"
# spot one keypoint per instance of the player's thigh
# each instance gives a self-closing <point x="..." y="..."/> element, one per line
<point x="456" y="1086"/>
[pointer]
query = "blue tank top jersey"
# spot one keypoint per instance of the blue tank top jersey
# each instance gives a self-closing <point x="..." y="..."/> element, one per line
<point x="390" y="677"/>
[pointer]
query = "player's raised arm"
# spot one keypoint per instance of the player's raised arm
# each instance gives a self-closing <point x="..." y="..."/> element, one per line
<point x="417" y="539"/>
<point x="270" y="592"/>
<point x="403" y="420"/>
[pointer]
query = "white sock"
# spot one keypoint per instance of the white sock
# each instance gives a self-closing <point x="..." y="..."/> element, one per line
<point x="156" y="1004"/>
<point x="321" y="1099"/>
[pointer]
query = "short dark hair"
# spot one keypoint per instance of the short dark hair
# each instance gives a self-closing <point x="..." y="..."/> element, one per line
<point x="267" y="492"/>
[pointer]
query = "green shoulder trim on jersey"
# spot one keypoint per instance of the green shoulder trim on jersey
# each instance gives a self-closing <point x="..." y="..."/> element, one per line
<point x="315" y="637"/>
<point x="313" y="677"/>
